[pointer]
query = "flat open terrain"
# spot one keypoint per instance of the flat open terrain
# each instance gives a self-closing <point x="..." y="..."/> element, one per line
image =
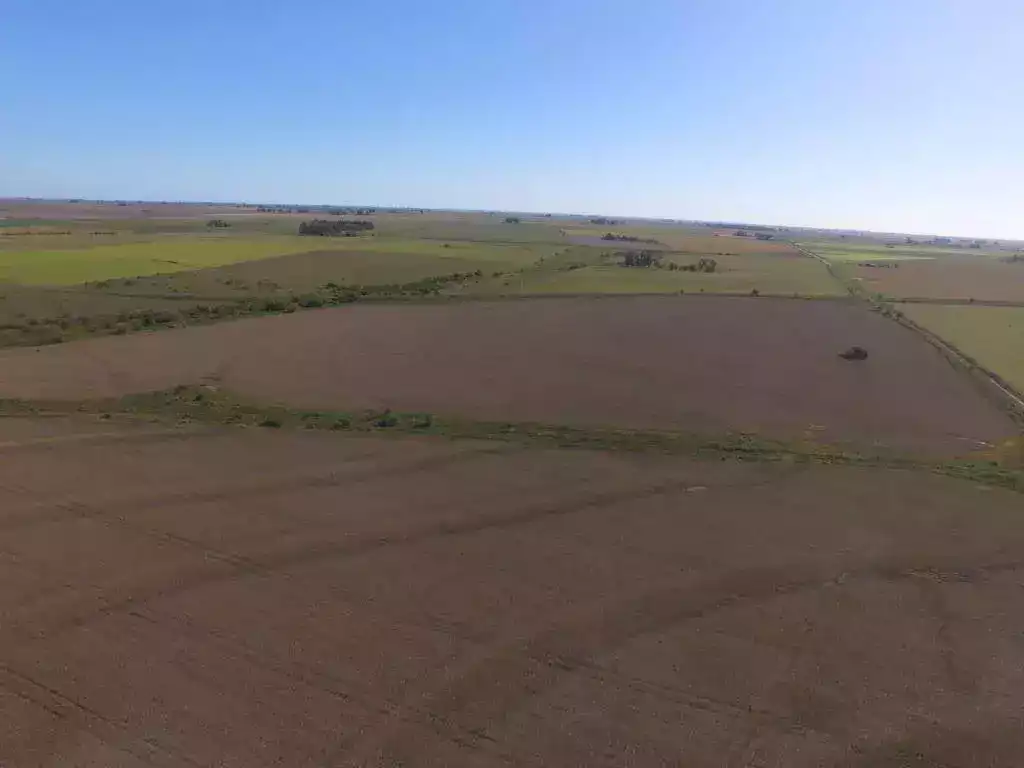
<point x="994" y="336"/>
<point x="963" y="279"/>
<point x="102" y="262"/>
<point x="701" y="364"/>
<point x="736" y="274"/>
<point x="263" y="598"/>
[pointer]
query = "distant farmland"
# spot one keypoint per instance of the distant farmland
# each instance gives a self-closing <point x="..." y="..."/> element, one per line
<point x="103" y="262"/>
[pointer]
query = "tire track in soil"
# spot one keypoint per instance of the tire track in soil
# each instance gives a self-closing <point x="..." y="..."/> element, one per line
<point x="111" y="510"/>
<point x="112" y="733"/>
<point x="464" y="705"/>
<point x="276" y="565"/>
<point x="238" y="565"/>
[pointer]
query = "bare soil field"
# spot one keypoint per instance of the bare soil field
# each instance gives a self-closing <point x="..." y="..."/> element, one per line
<point x="264" y="598"/>
<point x="960" y="278"/>
<point x="700" y="364"/>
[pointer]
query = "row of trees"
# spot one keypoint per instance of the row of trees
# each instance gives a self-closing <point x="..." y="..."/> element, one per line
<point x="653" y="259"/>
<point x="758" y="235"/>
<point x="337" y="228"/>
<point x="640" y="259"/>
<point x="705" y="265"/>
<point x="627" y="238"/>
<point x="352" y="211"/>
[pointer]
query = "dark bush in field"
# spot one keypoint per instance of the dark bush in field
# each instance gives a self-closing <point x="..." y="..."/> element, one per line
<point x="385" y="419"/>
<point x="513" y="220"/>
<point x="640" y="259"/>
<point x="341" y="228"/>
<point x="272" y="305"/>
<point x="217" y="224"/>
<point x="310" y="301"/>
<point x="422" y="421"/>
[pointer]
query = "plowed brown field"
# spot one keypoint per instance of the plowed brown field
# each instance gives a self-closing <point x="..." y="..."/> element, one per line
<point x="701" y="364"/>
<point x="978" y="278"/>
<point x="261" y="598"/>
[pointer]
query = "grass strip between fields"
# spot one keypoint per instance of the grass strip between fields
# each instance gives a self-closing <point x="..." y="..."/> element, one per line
<point x="204" y="405"/>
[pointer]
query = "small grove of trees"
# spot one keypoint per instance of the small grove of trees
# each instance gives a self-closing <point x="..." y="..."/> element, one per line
<point x="640" y="259"/>
<point x="513" y="220"/>
<point x="603" y="221"/>
<point x="217" y="224"/>
<point x="705" y="265"/>
<point x="627" y="238"/>
<point x="339" y="228"/>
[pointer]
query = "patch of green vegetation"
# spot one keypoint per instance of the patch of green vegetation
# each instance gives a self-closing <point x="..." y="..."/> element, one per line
<point x="212" y="406"/>
<point x="846" y="252"/>
<point x="68" y="267"/>
<point x="993" y="336"/>
<point x="67" y="327"/>
<point x="740" y="275"/>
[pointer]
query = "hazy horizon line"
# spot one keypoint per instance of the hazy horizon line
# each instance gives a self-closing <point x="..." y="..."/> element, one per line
<point x="634" y="217"/>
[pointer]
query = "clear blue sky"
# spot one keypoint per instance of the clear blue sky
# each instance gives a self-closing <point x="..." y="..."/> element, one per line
<point x="899" y="115"/>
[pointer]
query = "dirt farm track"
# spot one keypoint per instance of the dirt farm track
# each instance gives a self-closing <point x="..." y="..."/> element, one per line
<point x="699" y="364"/>
<point x="274" y="598"/>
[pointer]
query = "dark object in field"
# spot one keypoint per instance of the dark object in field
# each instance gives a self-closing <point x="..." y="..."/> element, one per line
<point x="338" y="228"/>
<point x="854" y="353"/>
<point x="640" y="259"/>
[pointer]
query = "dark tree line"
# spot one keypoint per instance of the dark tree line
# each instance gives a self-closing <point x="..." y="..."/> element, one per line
<point x="627" y="238"/>
<point x="338" y="228"/>
<point x="640" y="259"/>
<point x="352" y="211"/>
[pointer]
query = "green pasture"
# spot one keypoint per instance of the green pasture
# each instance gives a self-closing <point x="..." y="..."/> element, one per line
<point x="844" y="251"/>
<point x="103" y="262"/>
<point x="737" y="275"/>
<point x="994" y="336"/>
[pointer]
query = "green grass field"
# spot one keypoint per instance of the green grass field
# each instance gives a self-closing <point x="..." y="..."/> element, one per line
<point x="736" y="275"/>
<point x="844" y="252"/>
<point x="994" y="336"/>
<point x="169" y="254"/>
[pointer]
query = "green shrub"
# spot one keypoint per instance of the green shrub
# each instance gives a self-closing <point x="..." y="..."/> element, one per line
<point x="310" y="301"/>
<point x="385" y="419"/>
